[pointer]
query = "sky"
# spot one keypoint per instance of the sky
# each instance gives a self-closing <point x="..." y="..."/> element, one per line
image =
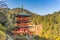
<point x="41" y="7"/>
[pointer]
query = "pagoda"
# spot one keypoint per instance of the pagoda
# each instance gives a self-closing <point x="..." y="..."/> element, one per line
<point x="21" y="24"/>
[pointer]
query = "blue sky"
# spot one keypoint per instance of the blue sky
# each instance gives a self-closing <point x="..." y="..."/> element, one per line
<point x="41" y="7"/>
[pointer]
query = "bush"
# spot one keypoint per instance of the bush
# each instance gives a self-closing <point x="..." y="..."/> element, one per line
<point x="2" y="36"/>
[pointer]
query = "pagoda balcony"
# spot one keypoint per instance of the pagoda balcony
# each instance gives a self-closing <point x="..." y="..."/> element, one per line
<point x="20" y="31"/>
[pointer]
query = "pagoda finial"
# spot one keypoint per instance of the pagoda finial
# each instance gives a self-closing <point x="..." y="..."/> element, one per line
<point x="22" y="9"/>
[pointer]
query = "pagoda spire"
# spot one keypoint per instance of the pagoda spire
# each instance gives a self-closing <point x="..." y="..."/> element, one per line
<point x="22" y="9"/>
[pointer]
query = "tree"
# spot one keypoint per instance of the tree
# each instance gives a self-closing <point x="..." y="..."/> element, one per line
<point x="2" y="28"/>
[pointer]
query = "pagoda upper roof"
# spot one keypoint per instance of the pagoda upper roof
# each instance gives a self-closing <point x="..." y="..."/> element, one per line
<point x="23" y="14"/>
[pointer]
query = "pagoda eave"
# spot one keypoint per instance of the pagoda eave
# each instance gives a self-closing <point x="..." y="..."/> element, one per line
<point x="23" y="15"/>
<point x="15" y="32"/>
<point x="23" y="26"/>
<point x="22" y="21"/>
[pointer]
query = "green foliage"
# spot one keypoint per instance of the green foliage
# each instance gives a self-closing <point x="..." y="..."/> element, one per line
<point x="2" y="28"/>
<point x="39" y="38"/>
<point x="58" y="38"/>
<point x="51" y="28"/>
<point x="2" y="36"/>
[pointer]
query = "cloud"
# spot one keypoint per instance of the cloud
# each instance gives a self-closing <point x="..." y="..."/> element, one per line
<point x="2" y="0"/>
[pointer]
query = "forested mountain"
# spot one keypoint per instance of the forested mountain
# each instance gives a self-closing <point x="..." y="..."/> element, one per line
<point x="50" y="22"/>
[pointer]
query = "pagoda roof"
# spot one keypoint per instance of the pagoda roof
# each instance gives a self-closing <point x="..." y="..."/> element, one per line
<point x="23" y="26"/>
<point x="23" y="14"/>
<point x="20" y="21"/>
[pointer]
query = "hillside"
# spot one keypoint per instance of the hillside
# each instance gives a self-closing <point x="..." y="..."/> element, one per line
<point x="50" y="22"/>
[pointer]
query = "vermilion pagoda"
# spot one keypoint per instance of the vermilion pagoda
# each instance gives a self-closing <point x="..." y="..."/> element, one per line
<point x="22" y="21"/>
